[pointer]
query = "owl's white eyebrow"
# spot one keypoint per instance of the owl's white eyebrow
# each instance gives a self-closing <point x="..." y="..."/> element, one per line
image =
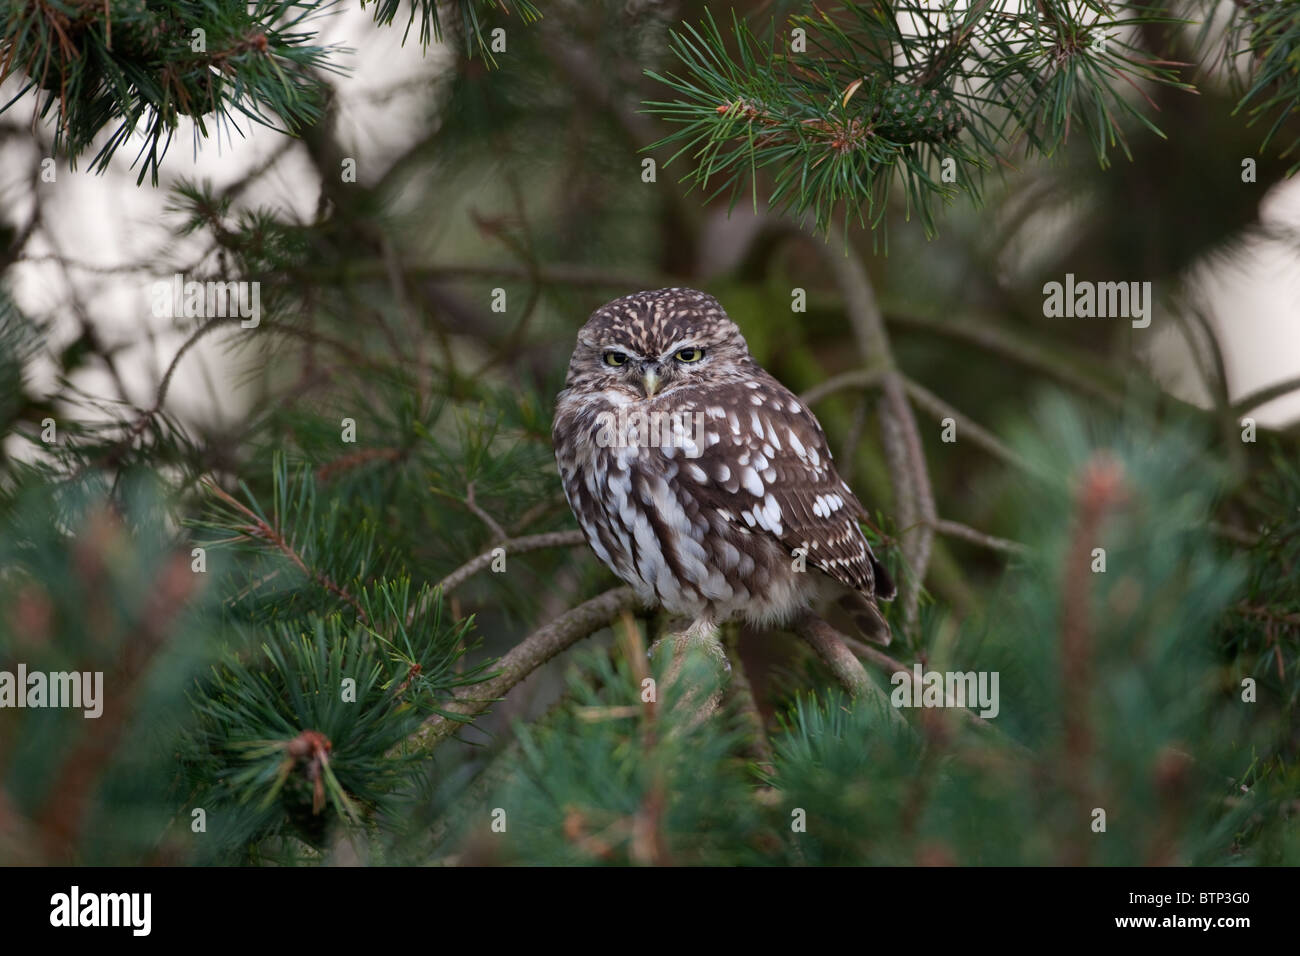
<point x="622" y="350"/>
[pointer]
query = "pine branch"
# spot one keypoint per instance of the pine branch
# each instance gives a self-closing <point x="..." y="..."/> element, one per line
<point x="1262" y="53"/>
<point x="467" y="18"/>
<point x="259" y="530"/>
<point x="877" y="99"/>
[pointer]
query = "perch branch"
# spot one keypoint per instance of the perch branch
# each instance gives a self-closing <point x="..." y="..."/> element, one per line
<point x="848" y="670"/>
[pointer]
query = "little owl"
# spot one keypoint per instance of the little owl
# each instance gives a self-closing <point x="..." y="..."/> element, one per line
<point x="701" y="480"/>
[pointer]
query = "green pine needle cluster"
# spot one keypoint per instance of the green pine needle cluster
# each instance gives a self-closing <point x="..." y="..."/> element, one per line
<point x="1265" y="62"/>
<point x="843" y="105"/>
<point x="426" y="17"/>
<point x="137" y="67"/>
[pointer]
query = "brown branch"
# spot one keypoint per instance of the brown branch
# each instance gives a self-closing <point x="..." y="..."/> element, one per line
<point x="992" y="339"/>
<point x="914" y="498"/>
<point x="1264" y="395"/>
<point x="923" y="397"/>
<point x="532" y="542"/>
<point x="1267" y="614"/>
<point x="1101" y="488"/>
<point x="526" y="656"/>
<point x="498" y="532"/>
<point x="831" y="648"/>
<point x="347" y="462"/>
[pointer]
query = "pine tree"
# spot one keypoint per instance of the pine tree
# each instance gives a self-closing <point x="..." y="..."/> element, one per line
<point x="357" y="620"/>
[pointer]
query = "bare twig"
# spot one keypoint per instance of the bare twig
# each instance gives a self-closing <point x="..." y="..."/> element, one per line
<point x="533" y="542"/>
<point x="994" y="340"/>
<point x="498" y="533"/>
<point x="858" y="378"/>
<point x="955" y="529"/>
<point x="981" y="436"/>
<point x="1261" y="396"/>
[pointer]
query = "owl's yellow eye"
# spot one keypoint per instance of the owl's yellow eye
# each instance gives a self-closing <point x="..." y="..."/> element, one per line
<point x="615" y="359"/>
<point x="689" y="355"/>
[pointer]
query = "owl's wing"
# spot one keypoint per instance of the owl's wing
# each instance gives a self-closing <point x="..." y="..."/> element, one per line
<point x="764" y="465"/>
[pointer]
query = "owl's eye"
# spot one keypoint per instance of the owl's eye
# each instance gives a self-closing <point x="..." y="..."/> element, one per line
<point x="689" y="355"/>
<point x="615" y="359"/>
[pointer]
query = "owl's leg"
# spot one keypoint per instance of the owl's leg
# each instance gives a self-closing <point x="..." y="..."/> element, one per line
<point x="699" y="643"/>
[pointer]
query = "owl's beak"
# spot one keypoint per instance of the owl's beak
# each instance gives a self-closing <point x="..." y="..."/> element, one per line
<point x="650" y="381"/>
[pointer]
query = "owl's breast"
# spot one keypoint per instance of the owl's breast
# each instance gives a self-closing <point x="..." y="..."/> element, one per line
<point x="644" y="518"/>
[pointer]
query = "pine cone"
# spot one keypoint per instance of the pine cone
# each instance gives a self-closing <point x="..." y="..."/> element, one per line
<point x="138" y="32"/>
<point x="907" y="114"/>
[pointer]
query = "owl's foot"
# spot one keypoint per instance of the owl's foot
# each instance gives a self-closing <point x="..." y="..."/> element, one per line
<point x="699" y="644"/>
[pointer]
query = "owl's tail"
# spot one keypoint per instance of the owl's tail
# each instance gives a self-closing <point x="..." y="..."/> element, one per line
<point x="884" y="589"/>
<point x="866" y="615"/>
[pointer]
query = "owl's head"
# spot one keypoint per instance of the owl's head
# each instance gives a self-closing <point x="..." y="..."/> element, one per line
<point x="651" y="343"/>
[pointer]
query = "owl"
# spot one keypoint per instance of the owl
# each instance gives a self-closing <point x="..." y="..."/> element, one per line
<point x="702" y="481"/>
